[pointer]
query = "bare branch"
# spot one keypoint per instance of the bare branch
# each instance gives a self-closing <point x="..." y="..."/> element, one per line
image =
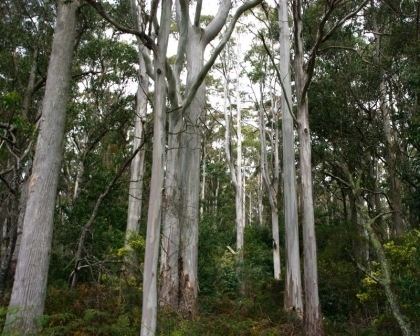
<point x="206" y="68"/>
<point x="216" y="25"/>
<point x="146" y="39"/>
<point x="198" y="13"/>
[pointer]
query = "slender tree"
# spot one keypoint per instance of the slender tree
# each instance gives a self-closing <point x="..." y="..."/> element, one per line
<point x="149" y="306"/>
<point x="135" y="191"/>
<point x="293" y="282"/>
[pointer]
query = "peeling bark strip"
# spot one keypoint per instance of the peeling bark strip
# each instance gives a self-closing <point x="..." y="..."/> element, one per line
<point x="29" y="289"/>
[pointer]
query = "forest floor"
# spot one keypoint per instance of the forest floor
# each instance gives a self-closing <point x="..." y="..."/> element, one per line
<point x="98" y="310"/>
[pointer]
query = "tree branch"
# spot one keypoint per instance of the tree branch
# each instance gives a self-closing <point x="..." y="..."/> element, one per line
<point x="216" y="25"/>
<point x="206" y="68"/>
<point x="146" y="39"/>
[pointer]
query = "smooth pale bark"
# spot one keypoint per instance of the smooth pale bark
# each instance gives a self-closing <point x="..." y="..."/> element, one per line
<point x="172" y="206"/>
<point x="78" y="180"/>
<point x="190" y="142"/>
<point x="312" y="313"/>
<point x="190" y="178"/>
<point x="293" y="282"/>
<point x="271" y="181"/>
<point x="239" y="199"/>
<point x="29" y="289"/>
<point x="235" y="170"/>
<point x="260" y="201"/>
<point x="193" y="41"/>
<point x="149" y="305"/>
<point x="135" y="191"/>
<point x="203" y="181"/>
<point x="250" y="209"/>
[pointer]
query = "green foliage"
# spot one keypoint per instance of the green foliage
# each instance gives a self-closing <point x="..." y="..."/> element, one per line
<point x="404" y="258"/>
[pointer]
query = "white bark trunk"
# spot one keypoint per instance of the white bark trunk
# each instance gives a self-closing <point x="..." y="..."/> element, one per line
<point x="149" y="305"/>
<point x="293" y="282"/>
<point x="190" y="180"/>
<point x="135" y="191"/>
<point x="240" y="209"/>
<point x="203" y="181"/>
<point x="260" y="201"/>
<point x="312" y="313"/>
<point x="271" y="184"/>
<point x="29" y="289"/>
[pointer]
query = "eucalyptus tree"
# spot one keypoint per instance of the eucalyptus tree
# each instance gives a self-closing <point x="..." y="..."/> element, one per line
<point x="179" y="274"/>
<point x="235" y="170"/>
<point x="29" y="288"/>
<point x="23" y="56"/>
<point x="304" y="71"/>
<point x="149" y="305"/>
<point x="271" y="176"/>
<point x="135" y="192"/>
<point x="293" y="282"/>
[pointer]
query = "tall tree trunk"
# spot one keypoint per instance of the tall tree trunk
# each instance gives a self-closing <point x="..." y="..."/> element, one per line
<point x="271" y="184"/>
<point x="391" y="144"/>
<point x="293" y="282"/>
<point x="29" y="289"/>
<point x="312" y="313"/>
<point x="172" y="214"/>
<point x="149" y="306"/>
<point x="190" y="179"/>
<point x="239" y="196"/>
<point x="203" y="180"/>
<point x="135" y="191"/>
<point x="260" y="201"/>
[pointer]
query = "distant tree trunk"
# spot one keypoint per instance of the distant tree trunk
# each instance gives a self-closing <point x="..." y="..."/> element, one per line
<point x="391" y="145"/>
<point x="203" y="181"/>
<point x="135" y="191"/>
<point x="29" y="289"/>
<point x="271" y="181"/>
<point x="312" y="313"/>
<point x="239" y="181"/>
<point x="293" y="282"/>
<point x="149" y="306"/>
<point x="260" y="201"/>
<point x="391" y="155"/>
